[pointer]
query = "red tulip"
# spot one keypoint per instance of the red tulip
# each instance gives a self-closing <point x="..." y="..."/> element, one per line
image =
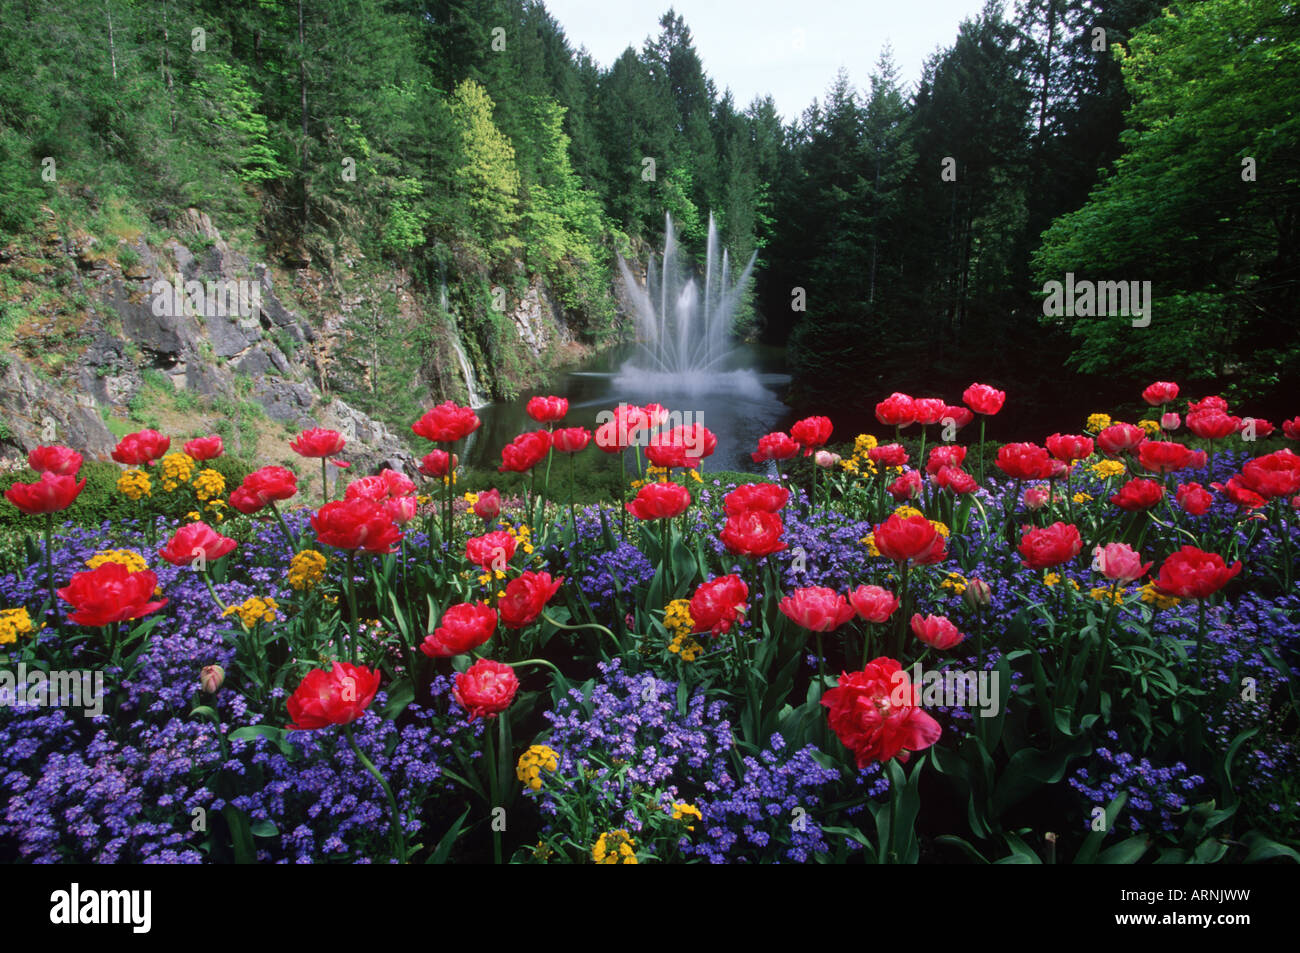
<point x="61" y="461"/>
<point x="929" y="410"/>
<point x="913" y="538"/>
<point x="655" y="414"/>
<point x="657" y="501"/>
<point x="1118" y="438"/>
<point x="1194" y="498"/>
<point x="873" y="603"/>
<point x="1275" y="474"/>
<point x="1211" y="424"/>
<point x="1069" y="447"/>
<point x="1024" y="461"/>
<point x="547" y="410"/>
<point x="718" y="604"/>
<point x="488" y="505"/>
<point x="1051" y="546"/>
<point x="438" y="463"/>
<point x="876" y="714"/>
<point x="1170" y="421"/>
<point x="956" y="480"/>
<point x="50" y="494"/>
<point x="397" y="484"/>
<point x="446" y="423"/>
<point x="401" y="508"/>
<point x="682" y="446"/>
<point x="318" y="442"/>
<point x="525" y="451"/>
<point x="888" y="455"/>
<point x="1291" y="428"/>
<point x="1240" y="494"/>
<point x="906" y="487"/>
<point x="1138" y="494"/>
<point x="142" y="448"/>
<point x="896" y="410"/>
<point x="1192" y="573"/>
<point x="1119" y="562"/>
<point x="205" y="448"/>
<point x="525" y="598"/>
<point x="1036" y="497"/>
<point x="959" y="415"/>
<point x="489" y="548"/>
<point x="936" y="631"/>
<point x="111" y="593"/>
<point x="945" y="455"/>
<point x="1208" y="403"/>
<point x="336" y="697"/>
<point x="816" y="608"/>
<point x="370" y="488"/>
<point x="811" y="433"/>
<point x="486" y="689"/>
<point x="1259" y="427"/>
<point x="1161" y="392"/>
<point x="984" y="399"/>
<point x="464" y="626"/>
<point x="776" y="446"/>
<point x="356" y="524"/>
<point x="753" y="533"/>
<point x="194" y="540"/>
<point x="755" y="496"/>
<point x="571" y="439"/>
<point x="262" y="487"/>
<point x="1165" y="456"/>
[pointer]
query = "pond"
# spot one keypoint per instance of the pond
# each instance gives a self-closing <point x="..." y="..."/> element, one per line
<point x="740" y="401"/>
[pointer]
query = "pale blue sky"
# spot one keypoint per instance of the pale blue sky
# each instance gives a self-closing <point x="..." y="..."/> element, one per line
<point x="789" y="48"/>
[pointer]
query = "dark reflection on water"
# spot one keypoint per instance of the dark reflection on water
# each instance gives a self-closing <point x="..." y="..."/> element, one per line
<point x="739" y="403"/>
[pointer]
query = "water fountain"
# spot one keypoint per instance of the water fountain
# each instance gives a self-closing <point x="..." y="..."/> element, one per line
<point x="684" y="333"/>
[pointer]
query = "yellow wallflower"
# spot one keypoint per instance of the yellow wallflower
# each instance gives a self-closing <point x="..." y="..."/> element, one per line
<point x="685" y="647"/>
<point x="1097" y="422"/>
<point x="864" y="442"/>
<point x="870" y="542"/>
<point x="1151" y="594"/>
<point x="1054" y="579"/>
<point x="695" y="475"/>
<point x="471" y="498"/>
<point x="677" y="617"/>
<point x="614" y="847"/>
<point x="940" y="528"/>
<point x="306" y="569"/>
<point x="1152" y="427"/>
<point x="127" y="557"/>
<point x="134" y="484"/>
<point x="1102" y="594"/>
<point x="13" y="623"/>
<point x="907" y="512"/>
<point x="209" y="485"/>
<point x="955" y="583"/>
<point x="177" y="468"/>
<point x="684" y="812"/>
<point x="253" y="610"/>
<point x="1107" y="468"/>
<point x="533" y="762"/>
<point x="1082" y="498"/>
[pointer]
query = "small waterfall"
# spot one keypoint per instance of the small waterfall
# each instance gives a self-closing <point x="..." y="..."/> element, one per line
<point x="476" y="397"/>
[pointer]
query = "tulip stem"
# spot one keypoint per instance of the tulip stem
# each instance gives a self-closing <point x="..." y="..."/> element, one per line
<point x="983" y="421"/>
<point x="585" y="625"/>
<point x="536" y="661"/>
<point x="399" y="835"/>
<point x="284" y="528"/>
<point x="352" y="602"/>
<point x="212" y="589"/>
<point x="49" y="569"/>
<point x="1200" y="641"/>
<point x="324" y="483"/>
<point x="821" y="666"/>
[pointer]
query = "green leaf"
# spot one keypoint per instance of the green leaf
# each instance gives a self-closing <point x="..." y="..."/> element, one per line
<point x="400" y="694"/>
<point x="443" y="850"/>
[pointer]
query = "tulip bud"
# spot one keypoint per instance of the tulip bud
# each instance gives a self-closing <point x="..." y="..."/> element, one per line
<point x="824" y="458"/>
<point x="211" y="678"/>
<point x="977" y="593"/>
<point x="1170" y="421"/>
<point x="1036" y="497"/>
